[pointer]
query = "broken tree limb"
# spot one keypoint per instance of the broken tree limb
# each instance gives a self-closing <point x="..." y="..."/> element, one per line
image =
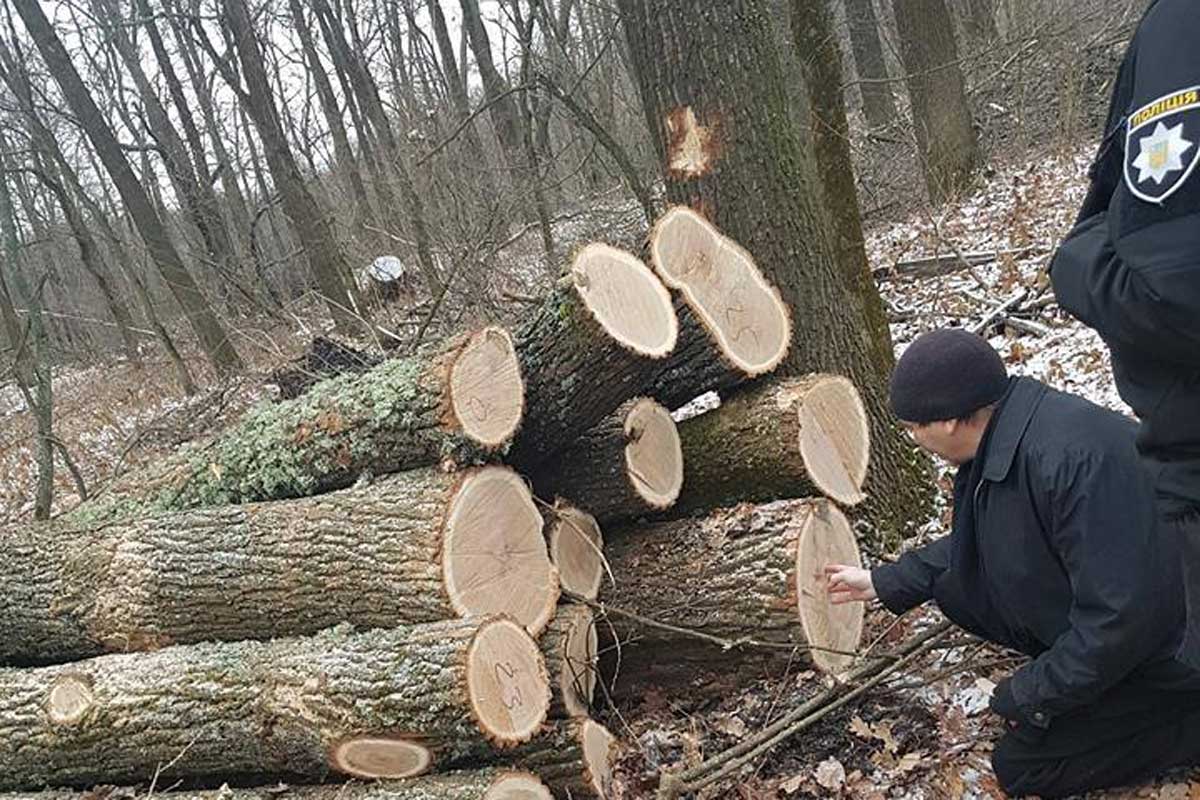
<point x="933" y="266"/>
<point x="797" y="437"/>
<point x="484" y="784"/>
<point x="627" y="465"/>
<point x="576" y="550"/>
<point x="591" y="346"/>
<point x="574" y="758"/>
<point x="380" y="704"/>
<point x="676" y="784"/>
<point x="415" y="547"/>
<point x="461" y="403"/>
<point x="733" y="323"/>
<point x="569" y="645"/>
<point x="743" y="573"/>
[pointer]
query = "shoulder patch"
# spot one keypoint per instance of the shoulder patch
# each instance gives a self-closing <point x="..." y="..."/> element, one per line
<point x="1162" y="145"/>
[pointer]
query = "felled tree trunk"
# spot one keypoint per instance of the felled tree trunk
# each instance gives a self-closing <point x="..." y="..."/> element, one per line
<point x="569" y="645"/>
<point x="459" y="403"/>
<point x="484" y="784"/>
<point x="748" y="572"/>
<point x="733" y="324"/>
<point x="590" y="347"/>
<point x="382" y="704"/>
<point x="798" y="437"/>
<point x="574" y="758"/>
<point x="416" y="547"/>
<point x="576" y="550"/>
<point x="627" y="465"/>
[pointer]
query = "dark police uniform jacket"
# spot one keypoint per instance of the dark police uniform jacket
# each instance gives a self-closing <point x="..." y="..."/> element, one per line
<point x="1131" y="266"/>
<point x="1054" y="552"/>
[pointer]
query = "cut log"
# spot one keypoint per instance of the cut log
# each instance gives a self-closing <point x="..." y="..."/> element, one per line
<point x="381" y="704"/>
<point x="574" y="758"/>
<point x="485" y="784"/>
<point x="591" y="346"/>
<point x="460" y="403"/>
<point x="627" y="465"/>
<point x="797" y="437"/>
<point x="576" y="550"/>
<point x="748" y="572"/>
<point x="569" y="645"/>
<point x="736" y="325"/>
<point x="415" y="547"/>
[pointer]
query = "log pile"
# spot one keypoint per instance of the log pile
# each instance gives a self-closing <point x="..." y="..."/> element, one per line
<point x="403" y="573"/>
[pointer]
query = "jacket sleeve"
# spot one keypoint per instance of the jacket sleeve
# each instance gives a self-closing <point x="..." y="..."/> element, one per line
<point x="1104" y="292"/>
<point x="1104" y="533"/>
<point x="909" y="582"/>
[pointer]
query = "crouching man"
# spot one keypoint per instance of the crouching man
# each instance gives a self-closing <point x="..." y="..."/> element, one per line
<point x="1054" y="551"/>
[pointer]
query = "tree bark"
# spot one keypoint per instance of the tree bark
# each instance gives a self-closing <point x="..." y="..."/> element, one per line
<point x="288" y="708"/>
<point x="798" y="437"/>
<point x="456" y="405"/>
<point x="270" y="570"/>
<point x="979" y="20"/>
<point x="731" y="149"/>
<point x="503" y="109"/>
<point x="741" y="573"/>
<point x="212" y="335"/>
<point x="942" y="122"/>
<point x="879" y="107"/>
<point x="574" y="758"/>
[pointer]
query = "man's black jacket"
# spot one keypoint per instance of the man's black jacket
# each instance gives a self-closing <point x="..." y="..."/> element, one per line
<point x="1054" y="552"/>
<point x="1131" y="266"/>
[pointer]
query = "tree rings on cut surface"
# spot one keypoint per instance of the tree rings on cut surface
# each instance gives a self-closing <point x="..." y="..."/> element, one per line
<point x="598" y="755"/>
<point x="827" y="538"/>
<point x="494" y="557"/>
<point x="381" y="757"/>
<point x="70" y="699"/>
<point x="724" y="287"/>
<point x="835" y="439"/>
<point x="507" y="683"/>
<point x="653" y="458"/>
<point x="518" y="786"/>
<point x="625" y="297"/>
<point x="486" y="391"/>
<point x="577" y="550"/>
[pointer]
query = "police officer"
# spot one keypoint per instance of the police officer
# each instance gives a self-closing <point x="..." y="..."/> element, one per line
<point x="1054" y="551"/>
<point x="1130" y="268"/>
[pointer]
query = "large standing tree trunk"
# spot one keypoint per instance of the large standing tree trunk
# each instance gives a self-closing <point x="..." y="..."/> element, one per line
<point x="945" y="137"/>
<point x="312" y="224"/>
<point x="212" y="335"/>
<point x="878" y="105"/>
<point x="503" y="109"/>
<point x="386" y="703"/>
<point x="979" y="20"/>
<point x="730" y="148"/>
<point x="266" y="570"/>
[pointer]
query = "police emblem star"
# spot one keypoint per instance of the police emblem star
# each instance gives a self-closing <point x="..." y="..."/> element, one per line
<point x="1161" y="147"/>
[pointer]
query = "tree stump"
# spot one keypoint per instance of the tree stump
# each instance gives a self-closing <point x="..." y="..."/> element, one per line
<point x="459" y="403"/>
<point x="797" y="437"/>
<point x="741" y="573"/>
<point x="415" y="547"/>
<point x="569" y="645"/>
<point x="735" y="325"/>
<point x="576" y="550"/>
<point x="381" y="704"/>
<point x="627" y="465"/>
<point x="591" y="346"/>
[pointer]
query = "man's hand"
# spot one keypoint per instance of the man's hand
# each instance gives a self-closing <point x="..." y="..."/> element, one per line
<point x="847" y="584"/>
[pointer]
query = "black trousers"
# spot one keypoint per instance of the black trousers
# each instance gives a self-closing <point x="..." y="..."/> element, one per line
<point x="1186" y="527"/>
<point x="1126" y="736"/>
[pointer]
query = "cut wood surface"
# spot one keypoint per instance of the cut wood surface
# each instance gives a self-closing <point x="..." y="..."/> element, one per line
<point x="484" y="784"/>
<point x="591" y="346"/>
<point x="627" y="465"/>
<point x="747" y="572"/>
<point x="419" y="546"/>
<point x="735" y="327"/>
<point x="574" y="758"/>
<point x="380" y="704"/>
<point x="569" y="645"/>
<point x="576" y="550"/>
<point x="458" y="403"/>
<point x="796" y="437"/>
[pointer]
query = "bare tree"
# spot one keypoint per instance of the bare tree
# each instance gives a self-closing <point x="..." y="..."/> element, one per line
<point x="878" y="105"/>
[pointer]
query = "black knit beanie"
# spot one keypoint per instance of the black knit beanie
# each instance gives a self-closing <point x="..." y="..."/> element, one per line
<point x="946" y="374"/>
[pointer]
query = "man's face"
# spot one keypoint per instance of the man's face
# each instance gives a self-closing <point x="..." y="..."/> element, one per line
<point x="949" y="439"/>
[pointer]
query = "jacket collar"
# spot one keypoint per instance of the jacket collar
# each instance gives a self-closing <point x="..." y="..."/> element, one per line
<point x="1009" y="424"/>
